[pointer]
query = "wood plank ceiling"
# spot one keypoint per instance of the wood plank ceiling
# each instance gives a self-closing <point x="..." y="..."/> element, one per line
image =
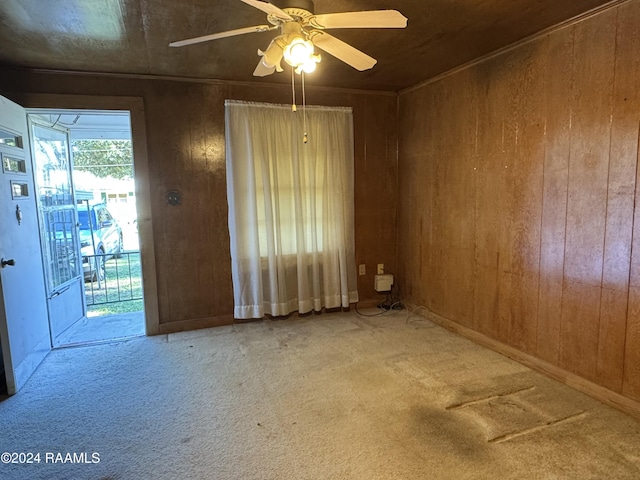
<point x="132" y="36"/>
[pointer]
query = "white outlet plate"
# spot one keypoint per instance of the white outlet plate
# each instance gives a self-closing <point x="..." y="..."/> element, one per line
<point x="362" y="269"/>
<point x="380" y="269"/>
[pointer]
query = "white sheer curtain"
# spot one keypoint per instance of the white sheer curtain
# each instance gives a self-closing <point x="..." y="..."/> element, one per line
<point x="291" y="217"/>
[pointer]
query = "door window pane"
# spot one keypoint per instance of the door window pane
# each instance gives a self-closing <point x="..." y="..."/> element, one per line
<point x="57" y="209"/>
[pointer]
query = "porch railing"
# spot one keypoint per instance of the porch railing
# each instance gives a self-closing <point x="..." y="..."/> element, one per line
<point x="112" y="279"/>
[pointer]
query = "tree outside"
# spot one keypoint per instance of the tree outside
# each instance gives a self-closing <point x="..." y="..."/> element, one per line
<point x="104" y="158"/>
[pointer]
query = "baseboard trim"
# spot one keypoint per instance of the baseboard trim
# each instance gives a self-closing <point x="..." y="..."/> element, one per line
<point x="604" y="395"/>
<point x="195" y="324"/>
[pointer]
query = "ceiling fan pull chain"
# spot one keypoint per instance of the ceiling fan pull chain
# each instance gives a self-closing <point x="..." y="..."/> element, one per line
<point x="293" y="92"/>
<point x="305" y="139"/>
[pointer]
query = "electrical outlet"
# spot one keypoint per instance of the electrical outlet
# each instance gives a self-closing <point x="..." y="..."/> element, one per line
<point x="381" y="269"/>
<point x="362" y="269"/>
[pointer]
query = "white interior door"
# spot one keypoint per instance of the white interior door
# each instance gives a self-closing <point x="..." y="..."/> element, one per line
<point x="57" y="212"/>
<point x="24" y="327"/>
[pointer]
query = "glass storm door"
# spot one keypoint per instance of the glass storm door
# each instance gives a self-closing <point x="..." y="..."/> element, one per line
<point x="57" y="215"/>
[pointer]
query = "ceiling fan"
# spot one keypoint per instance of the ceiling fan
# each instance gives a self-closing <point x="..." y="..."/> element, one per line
<point x="301" y="30"/>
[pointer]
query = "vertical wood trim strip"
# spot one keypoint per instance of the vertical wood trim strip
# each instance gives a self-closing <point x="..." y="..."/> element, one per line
<point x="566" y="214"/>
<point x="606" y="208"/>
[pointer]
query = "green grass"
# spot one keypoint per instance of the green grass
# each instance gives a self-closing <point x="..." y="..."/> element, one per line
<point x="122" y="287"/>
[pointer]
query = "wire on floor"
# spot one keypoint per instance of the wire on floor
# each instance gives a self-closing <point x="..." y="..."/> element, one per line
<point x="392" y="303"/>
<point x="378" y="314"/>
<point x="411" y="312"/>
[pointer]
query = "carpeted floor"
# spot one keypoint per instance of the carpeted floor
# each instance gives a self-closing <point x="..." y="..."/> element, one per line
<point x="334" y="396"/>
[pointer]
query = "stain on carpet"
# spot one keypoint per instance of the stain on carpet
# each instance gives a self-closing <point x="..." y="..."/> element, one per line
<point x="450" y="434"/>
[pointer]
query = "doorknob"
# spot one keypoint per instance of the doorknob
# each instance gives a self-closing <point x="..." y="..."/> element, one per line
<point x="3" y="263"/>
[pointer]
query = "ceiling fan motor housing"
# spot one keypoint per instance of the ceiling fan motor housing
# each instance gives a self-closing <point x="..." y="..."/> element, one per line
<point x="295" y="4"/>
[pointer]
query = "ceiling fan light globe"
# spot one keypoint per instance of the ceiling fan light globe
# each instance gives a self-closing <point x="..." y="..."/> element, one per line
<point x="272" y="55"/>
<point x="309" y="67"/>
<point x="298" y="52"/>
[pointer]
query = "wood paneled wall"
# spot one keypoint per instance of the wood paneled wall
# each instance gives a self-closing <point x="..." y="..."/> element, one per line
<point x="517" y="186"/>
<point x="186" y="151"/>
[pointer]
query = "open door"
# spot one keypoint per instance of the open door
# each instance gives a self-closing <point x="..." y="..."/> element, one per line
<point x="24" y="326"/>
<point x="57" y="213"/>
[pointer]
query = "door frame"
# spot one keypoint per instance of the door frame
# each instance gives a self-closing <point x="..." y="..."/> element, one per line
<point x="135" y="107"/>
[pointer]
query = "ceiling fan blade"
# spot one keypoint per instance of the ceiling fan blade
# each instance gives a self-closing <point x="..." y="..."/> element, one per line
<point x="215" y="36"/>
<point x="343" y="51"/>
<point x="262" y="70"/>
<point x="365" y="19"/>
<point x="269" y="9"/>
